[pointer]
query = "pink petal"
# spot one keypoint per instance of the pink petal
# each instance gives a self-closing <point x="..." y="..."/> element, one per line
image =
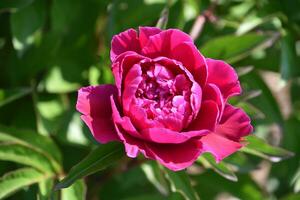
<point x="132" y="145"/>
<point x="125" y="41"/>
<point x="212" y="92"/>
<point x="102" y="129"/>
<point x="164" y="42"/>
<point x="167" y="136"/>
<point x="122" y="65"/>
<point x="223" y="75"/>
<point x="206" y="118"/>
<point x="132" y="81"/>
<point x="95" y="100"/>
<point x="175" y="156"/>
<point x="220" y="147"/>
<point x="139" y="118"/>
<point x="94" y="103"/>
<point x="234" y="123"/>
<point x="145" y="33"/>
<point x="192" y="59"/>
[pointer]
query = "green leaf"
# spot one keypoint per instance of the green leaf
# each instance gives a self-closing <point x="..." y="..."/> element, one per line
<point x="45" y="189"/>
<point x="180" y="182"/>
<point x="18" y="179"/>
<point x="296" y="181"/>
<point x="155" y="176"/>
<point x="26" y="156"/>
<point x="55" y="82"/>
<point x="259" y="147"/>
<point x="221" y="168"/>
<point x="7" y="96"/>
<point x="75" y="192"/>
<point x="265" y="102"/>
<point x="14" y="4"/>
<point x="41" y="144"/>
<point x="97" y="160"/>
<point x="289" y="66"/>
<point x="233" y="48"/>
<point x="2" y="43"/>
<point x="25" y="25"/>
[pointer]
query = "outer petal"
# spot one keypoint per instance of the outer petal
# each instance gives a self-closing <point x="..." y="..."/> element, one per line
<point x="234" y="123"/>
<point x="145" y="33"/>
<point x="223" y="75"/>
<point x="219" y="146"/>
<point x="102" y="130"/>
<point x="206" y="118"/>
<point x="175" y="156"/>
<point x="192" y="59"/>
<point x="125" y="41"/>
<point x="94" y="103"/>
<point x="163" y="43"/>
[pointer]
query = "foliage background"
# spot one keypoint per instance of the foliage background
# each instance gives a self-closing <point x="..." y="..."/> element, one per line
<point x="50" y="48"/>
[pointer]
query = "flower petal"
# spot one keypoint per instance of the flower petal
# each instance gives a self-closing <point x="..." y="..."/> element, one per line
<point x="102" y="129"/>
<point x="212" y="92"/>
<point x="206" y="118"/>
<point x="181" y="156"/>
<point x="132" y="145"/>
<point x="125" y="41"/>
<point x="167" y="136"/>
<point x="94" y="103"/>
<point x="164" y="42"/>
<point x="145" y="32"/>
<point x="175" y="156"/>
<point x="234" y="123"/>
<point x="122" y="65"/>
<point x="219" y="146"/>
<point x="192" y="59"/>
<point x="132" y="81"/>
<point x="223" y="75"/>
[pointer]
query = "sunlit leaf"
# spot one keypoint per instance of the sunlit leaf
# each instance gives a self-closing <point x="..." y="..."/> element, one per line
<point x="16" y="180"/>
<point x="221" y="168"/>
<point x="259" y="147"/>
<point x="26" y="23"/>
<point x="180" y="182"/>
<point x="97" y="160"/>
<point x="34" y="142"/>
<point x="155" y="176"/>
<point x="55" y="82"/>
<point x="45" y="189"/>
<point x="296" y="181"/>
<point x="74" y="192"/>
<point x="26" y="156"/>
<point x="239" y="48"/>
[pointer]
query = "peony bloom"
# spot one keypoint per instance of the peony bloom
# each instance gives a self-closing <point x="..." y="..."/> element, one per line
<point x="169" y="102"/>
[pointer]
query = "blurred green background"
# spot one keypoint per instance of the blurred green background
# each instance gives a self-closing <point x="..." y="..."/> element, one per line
<point x="50" y="48"/>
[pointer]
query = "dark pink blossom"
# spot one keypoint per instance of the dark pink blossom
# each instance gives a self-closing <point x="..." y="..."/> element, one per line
<point x="169" y="102"/>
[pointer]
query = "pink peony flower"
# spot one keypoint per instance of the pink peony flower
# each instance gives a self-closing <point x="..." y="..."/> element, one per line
<point x="168" y="102"/>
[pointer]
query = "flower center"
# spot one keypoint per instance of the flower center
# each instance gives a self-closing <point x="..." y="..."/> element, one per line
<point x="164" y="95"/>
